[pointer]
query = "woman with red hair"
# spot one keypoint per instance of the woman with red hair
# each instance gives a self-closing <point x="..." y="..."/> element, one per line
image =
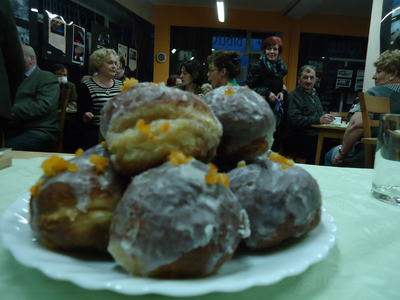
<point x="266" y="78"/>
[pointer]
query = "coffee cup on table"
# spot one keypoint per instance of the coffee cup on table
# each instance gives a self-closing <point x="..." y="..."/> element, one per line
<point x="338" y="120"/>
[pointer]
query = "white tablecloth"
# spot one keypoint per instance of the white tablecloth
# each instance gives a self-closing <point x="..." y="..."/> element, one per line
<point x="364" y="263"/>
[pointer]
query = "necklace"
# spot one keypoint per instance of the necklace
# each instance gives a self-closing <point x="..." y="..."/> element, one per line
<point x="106" y="86"/>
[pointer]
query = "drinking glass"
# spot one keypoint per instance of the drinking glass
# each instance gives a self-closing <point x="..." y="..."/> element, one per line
<point x="386" y="180"/>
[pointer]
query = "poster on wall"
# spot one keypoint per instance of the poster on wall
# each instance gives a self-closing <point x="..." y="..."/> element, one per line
<point x="23" y="34"/>
<point x="123" y="51"/>
<point x="390" y="25"/>
<point x="21" y="9"/>
<point x="57" y="34"/>
<point x="78" y="45"/>
<point x="132" y="59"/>
<point x="102" y="37"/>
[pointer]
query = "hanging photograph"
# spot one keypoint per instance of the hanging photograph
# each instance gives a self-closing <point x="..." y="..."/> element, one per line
<point x="23" y="34"/>
<point x="78" y="54"/>
<point x="343" y="83"/>
<point x="79" y="35"/>
<point x="57" y="34"/>
<point x="390" y="25"/>
<point x="345" y="73"/>
<point x="21" y="9"/>
<point x="102" y="37"/>
<point x="123" y="51"/>
<point x="132" y="59"/>
<point x="78" y="45"/>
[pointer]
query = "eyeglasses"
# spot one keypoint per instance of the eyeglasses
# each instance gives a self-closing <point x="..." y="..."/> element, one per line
<point x="212" y="70"/>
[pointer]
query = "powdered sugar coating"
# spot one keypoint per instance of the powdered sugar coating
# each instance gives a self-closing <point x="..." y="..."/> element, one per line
<point x="280" y="203"/>
<point x="168" y="212"/>
<point x="246" y="119"/>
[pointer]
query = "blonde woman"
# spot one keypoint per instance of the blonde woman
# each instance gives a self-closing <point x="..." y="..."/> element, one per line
<point x="95" y="92"/>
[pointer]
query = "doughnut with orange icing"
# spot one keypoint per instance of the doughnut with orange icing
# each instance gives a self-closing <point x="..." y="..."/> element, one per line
<point x="72" y="207"/>
<point x="247" y="120"/>
<point x="146" y="121"/>
<point x="282" y="200"/>
<point x="172" y="222"/>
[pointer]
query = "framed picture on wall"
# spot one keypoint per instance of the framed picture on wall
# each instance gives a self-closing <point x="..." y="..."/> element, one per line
<point x="390" y="25"/>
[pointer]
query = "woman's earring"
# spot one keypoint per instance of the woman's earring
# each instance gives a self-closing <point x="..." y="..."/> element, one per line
<point x="391" y="78"/>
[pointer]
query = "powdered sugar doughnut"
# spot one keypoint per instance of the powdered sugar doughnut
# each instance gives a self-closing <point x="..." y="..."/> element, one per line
<point x="74" y="209"/>
<point x="171" y="223"/>
<point x="145" y="122"/>
<point x="247" y="120"/>
<point x="281" y="201"/>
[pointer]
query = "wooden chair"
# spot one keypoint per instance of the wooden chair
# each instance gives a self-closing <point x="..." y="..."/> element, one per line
<point x="371" y="104"/>
<point x="63" y="99"/>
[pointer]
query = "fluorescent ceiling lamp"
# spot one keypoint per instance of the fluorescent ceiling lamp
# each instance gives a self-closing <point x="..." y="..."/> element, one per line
<point x="220" y="9"/>
<point x="173" y="51"/>
<point x="34" y="10"/>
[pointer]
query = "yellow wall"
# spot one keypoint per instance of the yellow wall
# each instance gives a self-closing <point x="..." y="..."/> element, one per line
<point x="166" y="16"/>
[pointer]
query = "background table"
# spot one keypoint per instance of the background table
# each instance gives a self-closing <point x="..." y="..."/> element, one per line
<point x="327" y="131"/>
<point x="364" y="263"/>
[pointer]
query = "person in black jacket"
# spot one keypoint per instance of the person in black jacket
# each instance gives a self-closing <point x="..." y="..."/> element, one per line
<point x="12" y="63"/>
<point x="266" y="78"/>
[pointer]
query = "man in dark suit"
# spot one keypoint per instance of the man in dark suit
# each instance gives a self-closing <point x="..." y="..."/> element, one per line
<point x="35" y="123"/>
<point x="12" y="63"/>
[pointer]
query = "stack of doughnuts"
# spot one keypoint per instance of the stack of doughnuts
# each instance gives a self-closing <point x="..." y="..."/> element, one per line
<point x="178" y="217"/>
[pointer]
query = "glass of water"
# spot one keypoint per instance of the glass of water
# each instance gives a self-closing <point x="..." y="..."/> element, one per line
<point x="386" y="180"/>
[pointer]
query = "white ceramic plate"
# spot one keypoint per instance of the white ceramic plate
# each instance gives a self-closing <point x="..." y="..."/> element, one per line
<point x="247" y="268"/>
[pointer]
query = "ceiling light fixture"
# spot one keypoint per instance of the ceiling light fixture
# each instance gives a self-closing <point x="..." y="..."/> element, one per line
<point x="220" y="9"/>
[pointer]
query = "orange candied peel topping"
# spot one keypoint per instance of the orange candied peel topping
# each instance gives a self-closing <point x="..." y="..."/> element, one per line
<point x="246" y="86"/>
<point x="73" y="168"/>
<point x="164" y="126"/>
<point x="104" y="144"/>
<point x="229" y="92"/>
<point x="100" y="162"/>
<point x="213" y="176"/>
<point x="283" y="160"/>
<point x="129" y="82"/>
<point x="35" y="190"/>
<point x="142" y="126"/>
<point x="79" y="152"/>
<point x="241" y="163"/>
<point x="178" y="157"/>
<point x="230" y="84"/>
<point x="54" y="165"/>
<point x="150" y="136"/>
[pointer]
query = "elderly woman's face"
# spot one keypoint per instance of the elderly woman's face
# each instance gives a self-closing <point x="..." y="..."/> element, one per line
<point x="109" y="66"/>
<point x="272" y="52"/>
<point x="381" y="77"/>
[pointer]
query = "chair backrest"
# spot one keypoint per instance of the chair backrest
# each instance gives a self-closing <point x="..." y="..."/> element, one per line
<point x="372" y="104"/>
<point x="338" y="114"/>
<point x="63" y="99"/>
